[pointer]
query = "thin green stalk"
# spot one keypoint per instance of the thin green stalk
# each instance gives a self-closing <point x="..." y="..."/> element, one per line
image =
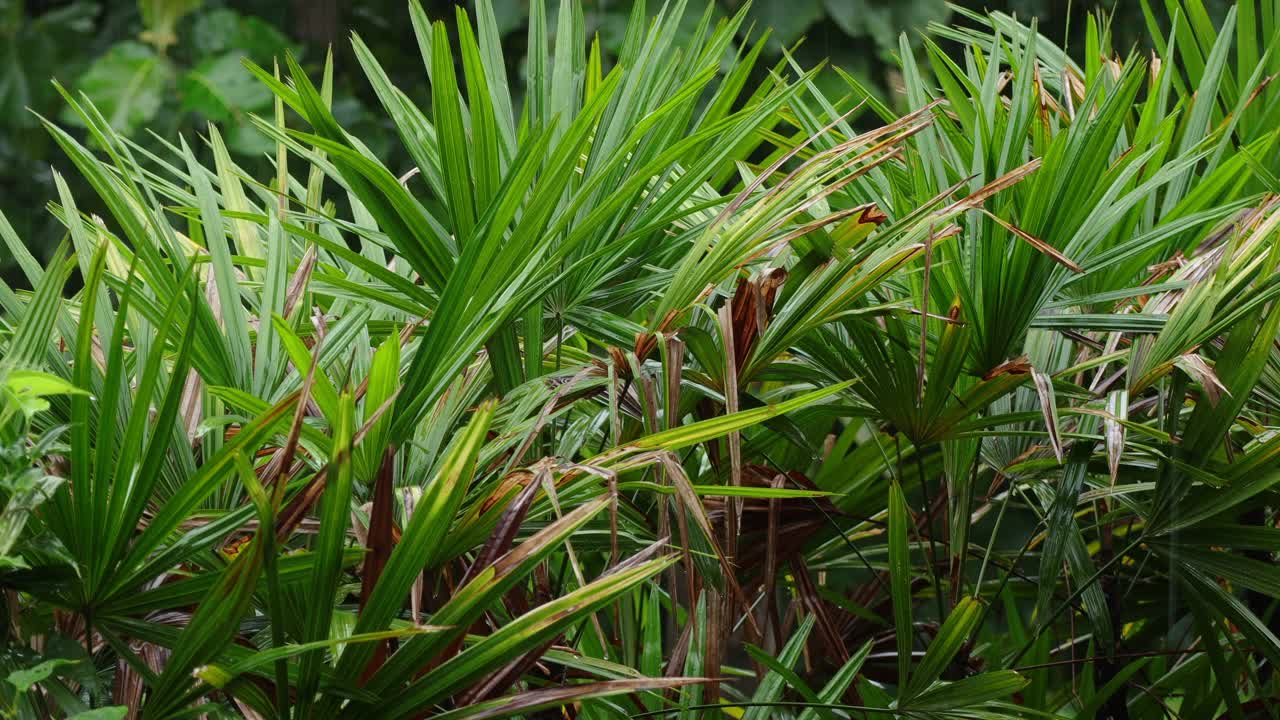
<point x="991" y="545"/>
<point x="933" y="543"/>
<point x="1044" y="624"/>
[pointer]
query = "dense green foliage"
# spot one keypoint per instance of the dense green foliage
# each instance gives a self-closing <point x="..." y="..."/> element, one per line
<point x="166" y="67"/>
<point x="669" y="383"/>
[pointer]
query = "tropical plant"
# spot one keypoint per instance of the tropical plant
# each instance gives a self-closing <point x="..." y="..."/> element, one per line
<point x="166" y="67"/>
<point x="654" y="391"/>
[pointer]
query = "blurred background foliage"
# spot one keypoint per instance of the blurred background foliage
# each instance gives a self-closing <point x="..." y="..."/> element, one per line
<point x="160" y="68"/>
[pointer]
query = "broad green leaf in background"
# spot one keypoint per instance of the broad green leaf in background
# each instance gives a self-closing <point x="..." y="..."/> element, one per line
<point x="219" y="89"/>
<point x="127" y="85"/>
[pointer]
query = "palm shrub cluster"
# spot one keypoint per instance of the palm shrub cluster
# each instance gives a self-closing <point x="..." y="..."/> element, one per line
<point x="664" y="394"/>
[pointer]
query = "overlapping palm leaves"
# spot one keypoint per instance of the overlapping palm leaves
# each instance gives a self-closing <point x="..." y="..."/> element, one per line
<point x="668" y="388"/>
